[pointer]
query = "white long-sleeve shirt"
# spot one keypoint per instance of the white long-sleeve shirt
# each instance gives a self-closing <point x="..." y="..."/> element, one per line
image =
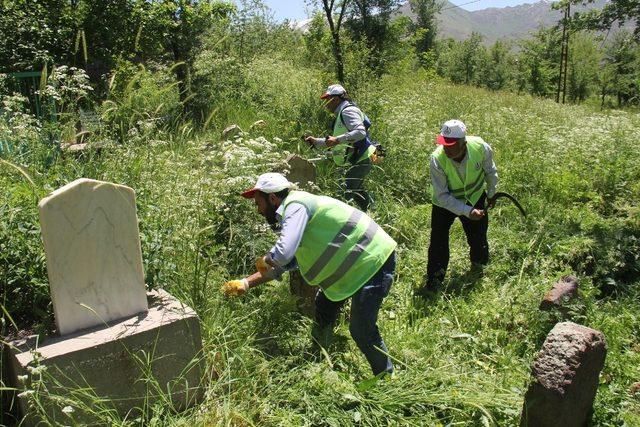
<point x="441" y="189"/>
<point x="293" y="220"/>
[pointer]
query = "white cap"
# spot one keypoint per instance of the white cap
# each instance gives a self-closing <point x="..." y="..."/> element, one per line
<point x="333" y="90"/>
<point x="268" y="183"/>
<point x="451" y="131"/>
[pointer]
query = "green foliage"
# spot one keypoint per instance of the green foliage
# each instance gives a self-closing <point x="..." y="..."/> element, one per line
<point x="615" y="11"/>
<point x="584" y="63"/>
<point x="317" y="43"/>
<point x="498" y="71"/>
<point x="621" y="74"/>
<point x="35" y="33"/>
<point x="541" y="56"/>
<point x="141" y="103"/>
<point x="23" y="277"/>
<point x="369" y="21"/>
<point x="425" y="27"/>
<point x="462" y="62"/>
<point x="462" y="357"/>
<point x="606" y="69"/>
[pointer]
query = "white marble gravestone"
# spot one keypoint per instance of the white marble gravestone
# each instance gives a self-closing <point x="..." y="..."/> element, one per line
<point x="94" y="261"/>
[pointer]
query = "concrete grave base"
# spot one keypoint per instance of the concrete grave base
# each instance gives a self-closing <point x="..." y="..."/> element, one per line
<point x="131" y="364"/>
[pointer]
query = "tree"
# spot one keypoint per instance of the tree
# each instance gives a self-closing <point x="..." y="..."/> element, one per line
<point x="622" y="63"/>
<point x="425" y="26"/>
<point x="370" y="22"/>
<point x="462" y="61"/>
<point x="331" y="7"/>
<point x="539" y="58"/>
<point x="583" y="66"/>
<point x="180" y="23"/>
<point x="620" y="11"/>
<point x="250" y="27"/>
<point x="317" y="42"/>
<point x="499" y="66"/>
<point x="473" y="57"/>
<point x="33" y="34"/>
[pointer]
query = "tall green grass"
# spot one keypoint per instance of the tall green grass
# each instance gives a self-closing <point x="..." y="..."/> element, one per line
<point x="463" y="357"/>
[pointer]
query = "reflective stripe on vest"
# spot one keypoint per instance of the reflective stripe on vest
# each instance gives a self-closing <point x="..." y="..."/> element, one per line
<point x="341" y="152"/>
<point x="474" y="183"/>
<point x="352" y="257"/>
<point x="341" y="247"/>
<point x="335" y="244"/>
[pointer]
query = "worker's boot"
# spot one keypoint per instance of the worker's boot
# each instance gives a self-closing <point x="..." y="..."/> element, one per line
<point x="430" y="287"/>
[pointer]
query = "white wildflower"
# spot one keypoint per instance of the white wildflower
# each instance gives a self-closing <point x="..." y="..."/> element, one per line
<point x="26" y="393"/>
<point x="36" y="370"/>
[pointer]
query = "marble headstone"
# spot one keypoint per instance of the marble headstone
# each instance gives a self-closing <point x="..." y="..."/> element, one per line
<point x="92" y="247"/>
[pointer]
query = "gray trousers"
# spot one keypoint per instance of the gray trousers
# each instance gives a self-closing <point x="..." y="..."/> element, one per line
<point x="354" y="184"/>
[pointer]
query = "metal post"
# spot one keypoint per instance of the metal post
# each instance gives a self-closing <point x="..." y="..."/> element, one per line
<point x="561" y="65"/>
<point x="566" y="55"/>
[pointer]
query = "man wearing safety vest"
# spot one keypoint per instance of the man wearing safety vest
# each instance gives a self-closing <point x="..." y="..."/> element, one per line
<point x="463" y="178"/>
<point x="338" y="248"/>
<point x="349" y="143"/>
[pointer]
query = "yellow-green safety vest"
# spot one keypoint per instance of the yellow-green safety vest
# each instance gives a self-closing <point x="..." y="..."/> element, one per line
<point x="342" y="151"/>
<point x="341" y="247"/>
<point x="474" y="183"/>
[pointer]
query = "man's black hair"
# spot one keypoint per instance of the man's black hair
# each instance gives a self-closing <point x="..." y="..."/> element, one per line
<point x="282" y="194"/>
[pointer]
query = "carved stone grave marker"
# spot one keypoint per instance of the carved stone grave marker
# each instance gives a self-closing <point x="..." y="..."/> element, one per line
<point x="112" y="345"/>
<point x="90" y="236"/>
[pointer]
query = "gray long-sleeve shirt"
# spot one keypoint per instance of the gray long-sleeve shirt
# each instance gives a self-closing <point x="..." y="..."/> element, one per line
<point x="352" y="118"/>
<point x="441" y="189"/>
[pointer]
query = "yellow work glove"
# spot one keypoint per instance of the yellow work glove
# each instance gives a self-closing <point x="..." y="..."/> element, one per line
<point x="235" y="287"/>
<point x="262" y="266"/>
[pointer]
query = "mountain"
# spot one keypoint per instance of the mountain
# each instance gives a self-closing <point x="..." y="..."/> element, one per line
<point x="515" y="22"/>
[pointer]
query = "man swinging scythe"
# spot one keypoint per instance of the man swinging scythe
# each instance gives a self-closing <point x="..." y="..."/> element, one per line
<point x="464" y="180"/>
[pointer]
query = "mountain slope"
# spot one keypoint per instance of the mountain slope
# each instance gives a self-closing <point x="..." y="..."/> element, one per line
<point x="495" y="23"/>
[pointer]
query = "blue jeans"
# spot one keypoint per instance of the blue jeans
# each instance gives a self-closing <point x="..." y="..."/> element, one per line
<point x="365" y="305"/>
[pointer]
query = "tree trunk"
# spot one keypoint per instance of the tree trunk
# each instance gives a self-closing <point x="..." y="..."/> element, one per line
<point x="334" y="27"/>
<point x="337" y="53"/>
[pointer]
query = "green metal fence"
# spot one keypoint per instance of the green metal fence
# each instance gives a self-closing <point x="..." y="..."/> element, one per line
<point x="28" y="83"/>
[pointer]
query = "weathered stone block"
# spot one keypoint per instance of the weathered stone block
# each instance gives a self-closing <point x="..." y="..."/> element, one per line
<point x="300" y="171"/>
<point x="565" y="377"/>
<point x="306" y="293"/>
<point x="128" y="365"/>
<point x="562" y="291"/>
<point x="303" y="173"/>
<point x="230" y="131"/>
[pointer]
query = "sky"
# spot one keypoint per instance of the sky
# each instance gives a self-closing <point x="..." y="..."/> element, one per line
<point x="297" y="9"/>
